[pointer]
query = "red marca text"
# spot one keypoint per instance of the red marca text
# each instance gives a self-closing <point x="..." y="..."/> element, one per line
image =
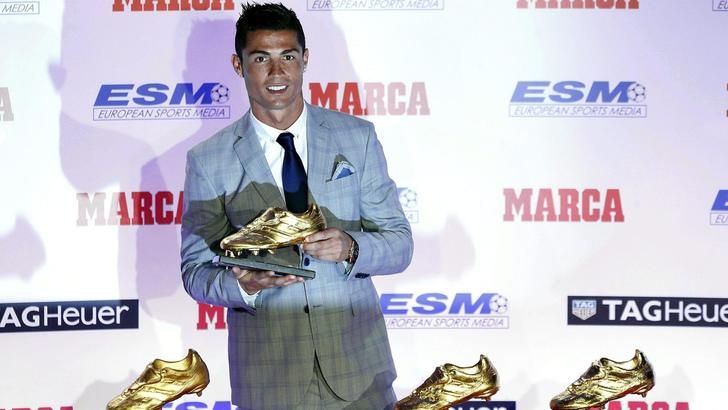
<point x="171" y="5"/>
<point x="569" y="205"/>
<point x="641" y="405"/>
<point x="39" y="408"/>
<point x="578" y="4"/>
<point x="372" y="98"/>
<point x="129" y="208"/>
<point x="210" y="315"/>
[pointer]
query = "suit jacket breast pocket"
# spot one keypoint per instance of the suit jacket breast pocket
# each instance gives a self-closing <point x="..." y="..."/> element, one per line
<point x="341" y="198"/>
<point x="348" y="183"/>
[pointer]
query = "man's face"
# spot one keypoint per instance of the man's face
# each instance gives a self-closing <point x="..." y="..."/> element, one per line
<point x="272" y="66"/>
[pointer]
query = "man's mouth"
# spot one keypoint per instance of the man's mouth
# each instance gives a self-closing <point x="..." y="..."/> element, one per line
<point x="276" y="88"/>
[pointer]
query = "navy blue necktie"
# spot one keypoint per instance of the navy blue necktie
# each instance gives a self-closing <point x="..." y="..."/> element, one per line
<point x="295" y="186"/>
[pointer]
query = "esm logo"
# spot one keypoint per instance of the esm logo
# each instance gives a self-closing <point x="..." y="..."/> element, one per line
<point x="442" y="311"/>
<point x="578" y="99"/>
<point x="157" y="101"/>
<point x="719" y="211"/>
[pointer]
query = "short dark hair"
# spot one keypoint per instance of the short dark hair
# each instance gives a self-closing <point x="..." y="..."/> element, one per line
<point x="266" y="16"/>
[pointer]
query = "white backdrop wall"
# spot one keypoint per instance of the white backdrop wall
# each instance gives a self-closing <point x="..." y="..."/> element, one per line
<point x="612" y="119"/>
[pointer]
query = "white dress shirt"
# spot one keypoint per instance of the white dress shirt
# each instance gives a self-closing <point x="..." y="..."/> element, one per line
<point x="274" y="154"/>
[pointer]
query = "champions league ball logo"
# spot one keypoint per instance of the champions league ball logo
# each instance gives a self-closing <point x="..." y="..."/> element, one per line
<point x="220" y="94"/>
<point x="637" y="93"/>
<point x="498" y="304"/>
<point x="408" y="200"/>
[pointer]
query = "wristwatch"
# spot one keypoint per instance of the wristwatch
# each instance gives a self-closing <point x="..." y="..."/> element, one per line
<point x="353" y="252"/>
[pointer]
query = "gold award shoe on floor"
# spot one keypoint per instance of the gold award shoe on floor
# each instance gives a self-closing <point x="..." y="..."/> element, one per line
<point x="274" y="228"/>
<point x="163" y="382"/>
<point x="449" y="385"/>
<point x="607" y="380"/>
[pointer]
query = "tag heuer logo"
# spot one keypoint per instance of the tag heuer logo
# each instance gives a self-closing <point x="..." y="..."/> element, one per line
<point x="583" y="308"/>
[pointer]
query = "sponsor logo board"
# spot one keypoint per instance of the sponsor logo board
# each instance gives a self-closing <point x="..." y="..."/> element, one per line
<point x="647" y="311"/>
<point x="562" y="205"/>
<point x="578" y="4"/>
<point x="14" y="8"/>
<point x="577" y="99"/>
<point x="158" y="101"/>
<point x="371" y="98"/>
<point x="374" y="5"/>
<point x="129" y="208"/>
<point x="443" y="311"/>
<point x="719" y="210"/>
<point x="171" y="5"/>
<point x="71" y="315"/>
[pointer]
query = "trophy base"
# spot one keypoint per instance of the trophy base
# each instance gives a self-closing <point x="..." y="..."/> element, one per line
<point x="281" y="270"/>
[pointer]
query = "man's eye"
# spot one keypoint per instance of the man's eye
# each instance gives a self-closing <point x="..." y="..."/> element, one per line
<point x="288" y="57"/>
<point x="259" y="59"/>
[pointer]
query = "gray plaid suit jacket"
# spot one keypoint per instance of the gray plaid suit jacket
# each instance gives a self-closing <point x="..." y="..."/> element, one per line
<point x="336" y="315"/>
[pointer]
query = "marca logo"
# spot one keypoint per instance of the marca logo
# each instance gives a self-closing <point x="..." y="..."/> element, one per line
<point x="643" y="405"/>
<point x="157" y="101"/>
<point x="371" y="98"/>
<point x="198" y="405"/>
<point x="172" y="5"/>
<point x="75" y="315"/>
<point x="578" y="99"/>
<point x="652" y="311"/>
<point x="719" y="211"/>
<point x="19" y="7"/>
<point x="39" y="408"/>
<point x="321" y="5"/>
<point x="441" y="311"/>
<point x="210" y="315"/>
<point x="129" y="208"/>
<point x="570" y="205"/>
<point x="486" y="405"/>
<point x="578" y="4"/>
<point x="408" y="200"/>
<point x="6" y="108"/>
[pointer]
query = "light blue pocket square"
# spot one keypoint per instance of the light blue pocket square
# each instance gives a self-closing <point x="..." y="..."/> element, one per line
<point x="343" y="169"/>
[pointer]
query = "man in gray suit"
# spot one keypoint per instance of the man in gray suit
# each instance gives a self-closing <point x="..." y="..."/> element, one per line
<point x="294" y="344"/>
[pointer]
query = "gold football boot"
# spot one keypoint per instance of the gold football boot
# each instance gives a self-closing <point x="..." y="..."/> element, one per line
<point x="607" y="380"/>
<point x="162" y="382"/>
<point x="274" y="228"/>
<point x="449" y="385"/>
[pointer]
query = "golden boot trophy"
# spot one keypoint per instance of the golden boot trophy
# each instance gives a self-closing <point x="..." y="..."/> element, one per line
<point x="274" y="228"/>
<point x="607" y="380"/>
<point x="450" y="385"/>
<point x="163" y="382"/>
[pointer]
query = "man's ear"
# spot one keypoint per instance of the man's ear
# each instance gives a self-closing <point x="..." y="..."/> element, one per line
<point x="237" y="64"/>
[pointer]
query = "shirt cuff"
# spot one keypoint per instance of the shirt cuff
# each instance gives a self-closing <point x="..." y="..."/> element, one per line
<point x="249" y="299"/>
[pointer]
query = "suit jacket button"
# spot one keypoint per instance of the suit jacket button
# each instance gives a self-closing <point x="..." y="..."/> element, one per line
<point x="306" y="261"/>
<point x="305" y="308"/>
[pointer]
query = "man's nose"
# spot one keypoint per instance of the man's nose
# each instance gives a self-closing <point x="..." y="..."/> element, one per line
<point x="276" y="67"/>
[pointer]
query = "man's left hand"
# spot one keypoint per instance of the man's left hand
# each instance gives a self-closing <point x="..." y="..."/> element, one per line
<point x="331" y="244"/>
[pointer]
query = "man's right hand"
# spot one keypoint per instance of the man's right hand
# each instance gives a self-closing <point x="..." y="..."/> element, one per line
<point x="253" y="281"/>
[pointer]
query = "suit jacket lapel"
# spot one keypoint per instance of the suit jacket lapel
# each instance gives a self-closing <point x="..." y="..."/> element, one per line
<point x="321" y="151"/>
<point x="251" y="155"/>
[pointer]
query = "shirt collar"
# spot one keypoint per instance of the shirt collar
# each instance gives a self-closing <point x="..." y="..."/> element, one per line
<point x="267" y="133"/>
